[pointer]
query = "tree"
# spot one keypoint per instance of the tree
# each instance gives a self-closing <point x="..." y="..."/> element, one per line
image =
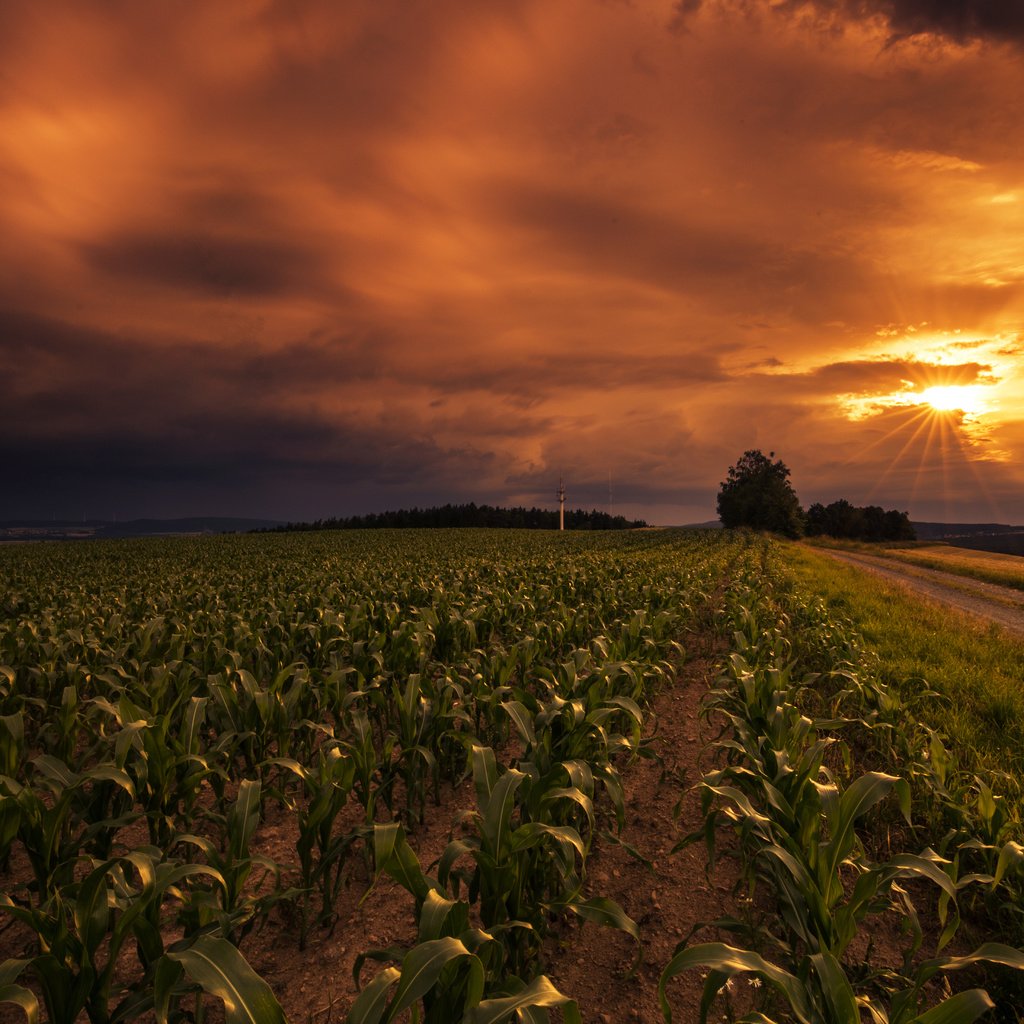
<point x="846" y="521"/>
<point x="758" y="494"/>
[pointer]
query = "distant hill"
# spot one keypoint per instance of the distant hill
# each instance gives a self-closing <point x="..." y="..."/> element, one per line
<point x="944" y="531"/>
<point x="996" y="537"/>
<point x="1001" y="543"/>
<point x="98" y="529"/>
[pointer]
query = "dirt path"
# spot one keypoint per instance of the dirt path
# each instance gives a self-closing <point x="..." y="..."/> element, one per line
<point x="988" y="601"/>
<point x="670" y="899"/>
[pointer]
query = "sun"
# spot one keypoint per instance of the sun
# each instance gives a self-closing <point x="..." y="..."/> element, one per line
<point x="964" y="398"/>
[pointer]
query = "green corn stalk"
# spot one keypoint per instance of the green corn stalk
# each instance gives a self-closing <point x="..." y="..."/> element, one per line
<point x="215" y="967"/>
<point x="163" y="755"/>
<point x="64" y="814"/>
<point x="12" y="744"/>
<point x="561" y="736"/>
<point x="12" y="752"/>
<point x="522" y="871"/>
<point x="60" y="736"/>
<point x="413" y="743"/>
<point x="442" y="972"/>
<point x="373" y="769"/>
<point x="82" y="928"/>
<point x="452" y="701"/>
<point x="259" y="721"/>
<point x="322" y="850"/>
<point x="821" y="993"/>
<point x="15" y="994"/>
<point x="227" y="904"/>
<point x="448" y="978"/>
<point x="779" y="762"/>
<point x="456" y="972"/>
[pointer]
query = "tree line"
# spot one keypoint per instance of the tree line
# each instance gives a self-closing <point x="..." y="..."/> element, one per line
<point x="488" y="516"/>
<point x="757" y="493"/>
<point x="853" y="522"/>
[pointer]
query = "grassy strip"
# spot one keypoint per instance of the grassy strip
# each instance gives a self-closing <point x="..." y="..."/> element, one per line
<point x="979" y="671"/>
<point x="1003" y="570"/>
<point x="987" y="566"/>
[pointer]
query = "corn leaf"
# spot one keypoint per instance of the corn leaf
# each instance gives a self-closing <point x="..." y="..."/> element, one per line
<point x="422" y="967"/>
<point x="371" y="1003"/>
<point x="539" y="993"/>
<point x="726" y="961"/>
<point x="10" y="971"/>
<point x="221" y="971"/>
<point x="963" y="1008"/>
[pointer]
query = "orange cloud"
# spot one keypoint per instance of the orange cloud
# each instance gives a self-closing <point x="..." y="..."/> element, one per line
<point x="302" y="260"/>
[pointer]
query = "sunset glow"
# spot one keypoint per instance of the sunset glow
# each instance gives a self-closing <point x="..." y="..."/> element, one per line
<point x="955" y="397"/>
<point x="312" y="259"/>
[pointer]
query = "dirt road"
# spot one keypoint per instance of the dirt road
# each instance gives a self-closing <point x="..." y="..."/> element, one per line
<point x="1001" y="605"/>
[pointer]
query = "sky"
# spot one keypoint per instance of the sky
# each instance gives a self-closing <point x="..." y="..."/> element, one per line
<point x="313" y="258"/>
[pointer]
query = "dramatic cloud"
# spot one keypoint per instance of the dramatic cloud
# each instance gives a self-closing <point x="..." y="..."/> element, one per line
<point x="203" y="263"/>
<point x="959" y="20"/>
<point x="302" y="259"/>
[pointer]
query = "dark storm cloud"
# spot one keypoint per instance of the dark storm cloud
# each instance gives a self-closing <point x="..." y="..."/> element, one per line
<point x="73" y="375"/>
<point x="958" y="20"/>
<point x="227" y="202"/>
<point x="588" y="487"/>
<point x="288" y="468"/>
<point x="220" y="448"/>
<point x="205" y="263"/>
<point x="602" y="233"/>
<point x="544" y="374"/>
<point x="93" y="418"/>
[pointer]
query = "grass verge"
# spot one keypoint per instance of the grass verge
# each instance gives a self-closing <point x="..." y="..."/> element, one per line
<point x="987" y="566"/>
<point x="979" y="672"/>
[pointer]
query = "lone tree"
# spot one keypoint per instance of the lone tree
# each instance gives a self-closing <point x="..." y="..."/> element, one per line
<point x="758" y="494"/>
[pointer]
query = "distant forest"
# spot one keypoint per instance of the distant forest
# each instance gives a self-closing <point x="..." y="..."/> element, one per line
<point x="471" y="515"/>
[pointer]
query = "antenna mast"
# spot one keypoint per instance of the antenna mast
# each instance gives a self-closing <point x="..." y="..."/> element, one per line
<point x="561" y="504"/>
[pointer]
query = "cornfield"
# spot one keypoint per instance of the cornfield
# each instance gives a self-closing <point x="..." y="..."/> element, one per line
<point x="160" y="701"/>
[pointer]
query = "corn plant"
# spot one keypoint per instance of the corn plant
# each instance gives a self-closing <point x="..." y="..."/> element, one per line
<point x="374" y="772"/>
<point x="82" y="928"/>
<point x="163" y="756"/>
<point x="322" y="850"/>
<point x="62" y="813"/>
<point x="523" y="871"/>
<point x="413" y="743"/>
<point x="456" y="972"/>
<point x="227" y="904"/>
<point x="821" y="993"/>
<point x="797" y="823"/>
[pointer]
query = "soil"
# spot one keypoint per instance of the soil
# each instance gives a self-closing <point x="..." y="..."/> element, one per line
<point x="1003" y="606"/>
